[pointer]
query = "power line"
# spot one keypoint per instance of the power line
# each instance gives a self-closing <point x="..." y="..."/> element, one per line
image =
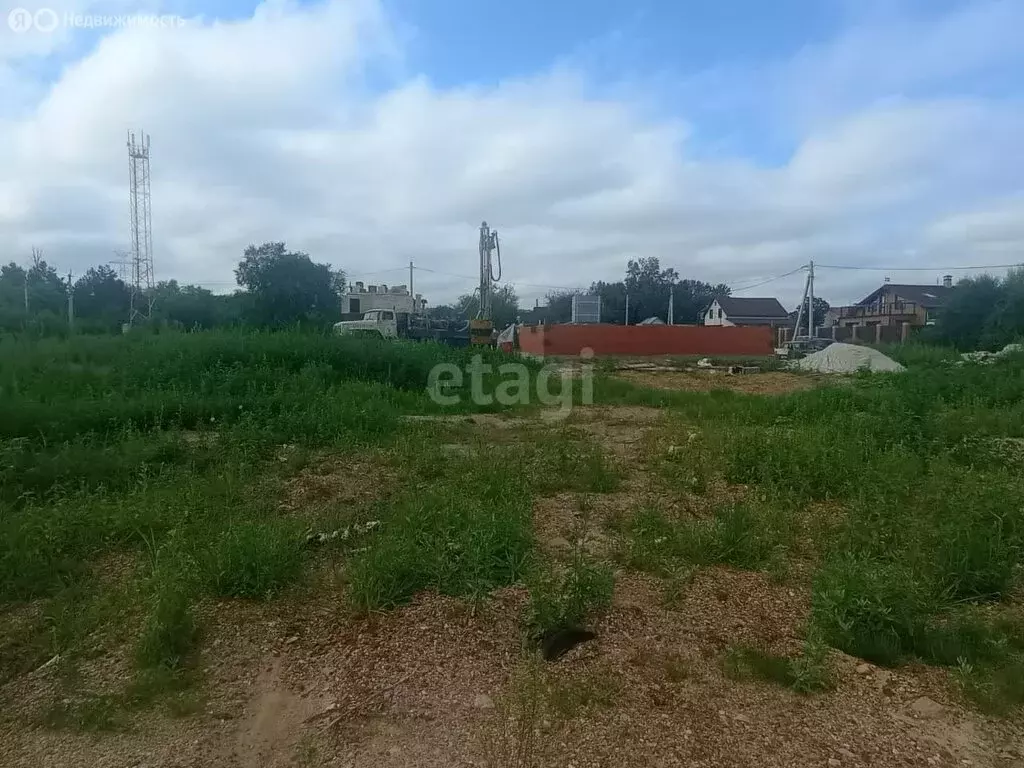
<point x="918" y="269"/>
<point x="769" y="280"/>
<point x="514" y="282"/>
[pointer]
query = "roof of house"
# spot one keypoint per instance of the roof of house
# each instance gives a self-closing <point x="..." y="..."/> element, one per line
<point x="535" y="315"/>
<point x="750" y="309"/>
<point x="927" y="296"/>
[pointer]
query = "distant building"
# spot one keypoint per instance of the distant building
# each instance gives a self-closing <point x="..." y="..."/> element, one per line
<point x="895" y="304"/>
<point x="729" y="310"/>
<point x="362" y="298"/>
<point x="538" y="315"/>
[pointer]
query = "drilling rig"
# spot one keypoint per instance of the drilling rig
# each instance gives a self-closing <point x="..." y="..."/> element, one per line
<point x="482" y="326"/>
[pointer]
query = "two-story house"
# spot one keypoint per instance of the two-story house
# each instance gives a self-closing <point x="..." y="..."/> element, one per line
<point x="895" y="304"/>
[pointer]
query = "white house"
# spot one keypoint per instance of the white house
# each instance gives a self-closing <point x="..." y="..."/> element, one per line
<point x="729" y="310"/>
<point x="360" y="298"/>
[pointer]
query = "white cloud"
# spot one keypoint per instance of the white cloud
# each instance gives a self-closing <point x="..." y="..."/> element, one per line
<point x="265" y="129"/>
<point x="995" y="230"/>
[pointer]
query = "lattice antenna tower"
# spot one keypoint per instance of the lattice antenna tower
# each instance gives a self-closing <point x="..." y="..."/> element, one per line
<point x="141" y="267"/>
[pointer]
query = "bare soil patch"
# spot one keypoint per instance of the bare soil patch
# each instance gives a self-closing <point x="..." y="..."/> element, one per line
<point x="348" y="481"/>
<point x="766" y="383"/>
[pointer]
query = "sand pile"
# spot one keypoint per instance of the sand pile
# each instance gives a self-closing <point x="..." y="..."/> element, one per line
<point x="847" y="358"/>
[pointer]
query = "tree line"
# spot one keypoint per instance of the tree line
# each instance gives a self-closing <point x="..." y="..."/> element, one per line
<point x="645" y="282"/>
<point x="276" y="287"/>
<point x="983" y="312"/>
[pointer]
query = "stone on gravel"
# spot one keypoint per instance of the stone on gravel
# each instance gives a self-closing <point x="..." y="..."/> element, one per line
<point x="925" y="707"/>
<point x="483" y="701"/>
<point x="863" y="669"/>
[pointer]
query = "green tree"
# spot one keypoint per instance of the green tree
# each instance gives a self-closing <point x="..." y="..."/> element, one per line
<point x="47" y="292"/>
<point x="444" y="312"/>
<point x="193" y="307"/>
<point x="102" y="299"/>
<point x="288" y="287"/>
<point x="13" y="281"/>
<point x="649" y="288"/>
<point x="560" y="306"/>
<point x="504" y="306"/>
<point x="1005" y="322"/>
<point x="969" y="315"/>
<point x="821" y="308"/>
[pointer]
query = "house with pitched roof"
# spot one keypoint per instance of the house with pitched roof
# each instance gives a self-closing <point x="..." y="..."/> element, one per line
<point x="730" y="310"/>
<point x="895" y="304"/>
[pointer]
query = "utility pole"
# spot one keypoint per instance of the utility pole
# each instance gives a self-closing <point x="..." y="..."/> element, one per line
<point x="810" y="299"/>
<point x="71" y="305"/>
<point x="627" y="309"/>
<point x="800" y="310"/>
<point x="26" y="292"/>
<point x="412" y="292"/>
<point x="671" y="297"/>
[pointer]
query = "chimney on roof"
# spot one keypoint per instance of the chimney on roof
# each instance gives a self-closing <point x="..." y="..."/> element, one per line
<point x="947" y="281"/>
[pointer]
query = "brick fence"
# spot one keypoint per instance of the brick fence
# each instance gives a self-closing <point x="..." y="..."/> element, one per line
<point x="644" y="340"/>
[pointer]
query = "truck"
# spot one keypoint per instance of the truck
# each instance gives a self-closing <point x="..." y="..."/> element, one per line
<point x="390" y="324"/>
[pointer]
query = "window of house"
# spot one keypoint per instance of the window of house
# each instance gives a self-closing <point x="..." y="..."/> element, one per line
<point x="719" y="313"/>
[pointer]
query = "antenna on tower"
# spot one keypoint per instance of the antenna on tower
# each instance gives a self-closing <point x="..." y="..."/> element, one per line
<point x="141" y="265"/>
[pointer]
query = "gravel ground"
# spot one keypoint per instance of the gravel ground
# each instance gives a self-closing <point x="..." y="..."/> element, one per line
<point x="445" y="682"/>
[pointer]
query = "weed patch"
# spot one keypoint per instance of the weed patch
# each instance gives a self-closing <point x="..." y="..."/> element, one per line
<point x="254" y="559"/>
<point x="807" y="673"/>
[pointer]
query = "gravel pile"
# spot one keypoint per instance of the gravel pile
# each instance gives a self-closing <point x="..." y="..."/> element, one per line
<point x="847" y="358"/>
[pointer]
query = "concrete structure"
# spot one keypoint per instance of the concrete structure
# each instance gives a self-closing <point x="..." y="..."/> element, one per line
<point x="644" y="340"/>
<point x="728" y="311"/>
<point x="895" y="304"/>
<point x="363" y="298"/>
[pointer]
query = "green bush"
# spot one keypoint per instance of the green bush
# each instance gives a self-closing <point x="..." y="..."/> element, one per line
<point x="564" y="599"/>
<point x="253" y="558"/>
<point x="465" y="538"/>
<point x="170" y="633"/>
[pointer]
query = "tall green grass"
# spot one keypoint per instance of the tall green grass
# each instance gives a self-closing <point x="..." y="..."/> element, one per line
<point x="920" y="474"/>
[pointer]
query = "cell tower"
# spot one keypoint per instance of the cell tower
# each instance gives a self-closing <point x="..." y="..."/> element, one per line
<point x="141" y="266"/>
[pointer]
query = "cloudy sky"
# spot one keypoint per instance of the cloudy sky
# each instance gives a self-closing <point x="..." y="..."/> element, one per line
<point x="733" y="139"/>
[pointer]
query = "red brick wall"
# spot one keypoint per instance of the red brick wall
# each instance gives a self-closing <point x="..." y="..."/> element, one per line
<point x="642" y="340"/>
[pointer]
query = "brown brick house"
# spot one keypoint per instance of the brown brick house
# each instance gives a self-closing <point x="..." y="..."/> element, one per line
<point x="894" y="304"/>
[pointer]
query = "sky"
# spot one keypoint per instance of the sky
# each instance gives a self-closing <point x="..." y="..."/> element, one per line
<point x="735" y="140"/>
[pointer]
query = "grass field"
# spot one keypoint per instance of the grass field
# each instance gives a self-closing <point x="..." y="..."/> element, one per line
<point x="144" y="480"/>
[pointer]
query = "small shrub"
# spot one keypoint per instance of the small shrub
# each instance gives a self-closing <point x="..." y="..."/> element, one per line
<point x="674" y="586"/>
<point x="806" y="673"/>
<point x="568" y="599"/>
<point x="515" y="741"/>
<point x="993" y="689"/>
<point x="466" y="538"/>
<point x="868" y="608"/>
<point x="254" y="559"/>
<point x="740" y="535"/>
<point x="974" y="558"/>
<point x="170" y="632"/>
